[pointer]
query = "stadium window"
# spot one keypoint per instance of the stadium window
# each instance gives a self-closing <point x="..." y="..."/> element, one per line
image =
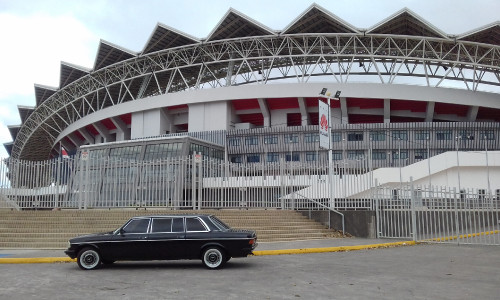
<point x="336" y="155"/>
<point x="421" y="154"/>
<point x="311" y="156"/>
<point x="295" y="156"/>
<point x="270" y="139"/>
<point x="292" y="138"/>
<point x="251" y="140"/>
<point x="272" y="157"/>
<point x="487" y="135"/>
<point x="253" y="158"/>
<point x="311" y="137"/>
<point x="466" y="135"/>
<point x="235" y="159"/>
<point x="404" y="154"/>
<point x="422" y="135"/>
<point x="336" y="136"/>
<point x="233" y="141"/>
<point x="400" y="135"/>
<point x="443" y="135"/>
<point x="355" y="154"/>
<point x="379" y="155"/>
<point x="355" y="136"/>
<point x="377" y="136"/>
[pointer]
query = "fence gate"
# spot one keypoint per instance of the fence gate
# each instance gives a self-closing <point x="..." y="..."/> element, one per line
<point x="437" y="214"/>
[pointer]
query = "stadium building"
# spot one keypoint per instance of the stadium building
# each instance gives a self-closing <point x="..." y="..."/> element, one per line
<point x="249" y="94"/>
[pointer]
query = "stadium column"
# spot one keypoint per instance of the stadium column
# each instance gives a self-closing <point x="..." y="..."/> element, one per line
<point x="387" y="110"/>
<point x="472" y="113"/>
<point x="265" y="112"/>
<point x="123" y="133"/>
<point x="103" y="131"/>
<point x="75" y="140"/>
<point x="343" y="109"/>
<point x="86" y="135"/>
<point x="429" y="115"/>
<point x="303" y="112"/>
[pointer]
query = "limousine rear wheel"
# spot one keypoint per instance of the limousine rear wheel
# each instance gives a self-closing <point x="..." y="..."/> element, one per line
<point x="88" y="259"/>
<point x="214" y="257"/>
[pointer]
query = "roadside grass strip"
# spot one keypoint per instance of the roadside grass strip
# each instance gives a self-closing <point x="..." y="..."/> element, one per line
<point x="332" y="249"/>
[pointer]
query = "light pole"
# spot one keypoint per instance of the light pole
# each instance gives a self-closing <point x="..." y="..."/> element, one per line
<point x="458" y="167"/>
<point x="325" y="92"/>
<point x="485" y="138"/>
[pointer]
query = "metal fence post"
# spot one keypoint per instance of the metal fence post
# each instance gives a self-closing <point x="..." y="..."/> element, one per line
<point x="413" y="212"/>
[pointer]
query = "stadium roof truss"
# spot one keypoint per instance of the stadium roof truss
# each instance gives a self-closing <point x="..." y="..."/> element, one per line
<point x="256" y="55"/>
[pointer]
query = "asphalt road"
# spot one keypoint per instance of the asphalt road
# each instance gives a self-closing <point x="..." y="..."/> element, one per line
<point x="411" y="272"/>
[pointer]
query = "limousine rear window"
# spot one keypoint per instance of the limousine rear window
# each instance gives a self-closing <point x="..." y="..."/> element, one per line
<point x="194" y="224"/>
<point x="222" y="226"/>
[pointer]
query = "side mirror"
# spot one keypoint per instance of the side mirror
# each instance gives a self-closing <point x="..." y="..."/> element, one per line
<point x="121" y="231"/>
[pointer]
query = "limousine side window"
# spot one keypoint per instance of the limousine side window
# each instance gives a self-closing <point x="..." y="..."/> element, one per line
<point x="161" y="225"/>
<point x="137" y="226"/>
<point x="177" y="225"/>
<point x="194" y="224"/>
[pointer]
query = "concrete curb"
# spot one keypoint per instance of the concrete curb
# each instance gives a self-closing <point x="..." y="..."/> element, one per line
<point x="41" y="260"/>
<point x="35" y="260"/>
<point x="332" y="249"/>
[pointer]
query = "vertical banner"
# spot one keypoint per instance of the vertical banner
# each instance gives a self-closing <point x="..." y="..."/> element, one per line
<point x="324" y="122"/>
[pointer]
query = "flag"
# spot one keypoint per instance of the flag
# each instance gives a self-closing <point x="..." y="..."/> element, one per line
<point x="64" y="153"/>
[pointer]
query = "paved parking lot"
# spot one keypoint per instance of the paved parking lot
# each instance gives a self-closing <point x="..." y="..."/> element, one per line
<point x="417" y="272"/>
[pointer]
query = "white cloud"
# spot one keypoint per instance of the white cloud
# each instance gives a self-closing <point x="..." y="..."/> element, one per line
<point x="34" y="46"/>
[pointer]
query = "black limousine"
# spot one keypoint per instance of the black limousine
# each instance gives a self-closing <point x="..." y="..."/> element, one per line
<point x="170" y="237"/>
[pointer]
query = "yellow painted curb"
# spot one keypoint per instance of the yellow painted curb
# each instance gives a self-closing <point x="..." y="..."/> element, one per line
<point x="35" y="260"/>
<point x="331" y="249"/>
<point x="463" y="236"/>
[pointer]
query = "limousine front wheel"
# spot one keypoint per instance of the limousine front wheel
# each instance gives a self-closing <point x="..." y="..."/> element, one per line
<point x="88" y="259"/>
<point x="214" y="258"/>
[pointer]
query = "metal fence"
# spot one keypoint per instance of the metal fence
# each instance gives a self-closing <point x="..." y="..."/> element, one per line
<point x="437" y="214"/>
<point x="184" y="183"/>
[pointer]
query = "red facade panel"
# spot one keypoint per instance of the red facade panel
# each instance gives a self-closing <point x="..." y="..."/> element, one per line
<point x="245" y="104"/>
<point x="360" y="119"/>
<point x="282" y="103"/>
<point x="108" y="124"/>
<point x="92" y="130"/>
<point x="485" y="113"/>
<point x="451" y="109"/>
<point x="294" y="119"/>
<point x="126" y="118"/>
<point x="174" y="107"/>
<point x="365" y="103"/>
<point x="414" y="106"/>
<point x="255" y="119"/>
<point x="395" y="119"/>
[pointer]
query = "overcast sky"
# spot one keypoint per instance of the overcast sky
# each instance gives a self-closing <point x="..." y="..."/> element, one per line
<point x="36" y="35"/>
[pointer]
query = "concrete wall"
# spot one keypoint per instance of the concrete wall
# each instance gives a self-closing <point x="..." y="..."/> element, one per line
<point x="209" y="116"/>
<point x="358" y="223"/>
<point x="149" y="123"/>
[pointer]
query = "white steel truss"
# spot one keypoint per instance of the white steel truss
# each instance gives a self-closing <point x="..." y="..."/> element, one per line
<point x="259" y="60"/>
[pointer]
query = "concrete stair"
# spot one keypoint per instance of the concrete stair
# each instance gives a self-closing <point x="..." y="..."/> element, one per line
<point x="52" y="229"/>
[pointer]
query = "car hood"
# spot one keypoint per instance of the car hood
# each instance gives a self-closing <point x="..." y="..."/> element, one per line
<point x="89" y="237"/>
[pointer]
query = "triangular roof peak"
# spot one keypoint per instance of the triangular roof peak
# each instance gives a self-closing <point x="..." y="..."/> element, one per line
<point x="70" y="73"/>
<point x="406" y="22"/>
<point x="42" y="92"/>
<point x="165" y="37"/>
<point x="109" y="53"/>
<point x="487" y="34"/>
<point x="316" y="19"/>
<point x="235" y="24"/>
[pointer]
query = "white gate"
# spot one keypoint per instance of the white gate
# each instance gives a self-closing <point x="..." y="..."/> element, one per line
<point x="437" y="214"/>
